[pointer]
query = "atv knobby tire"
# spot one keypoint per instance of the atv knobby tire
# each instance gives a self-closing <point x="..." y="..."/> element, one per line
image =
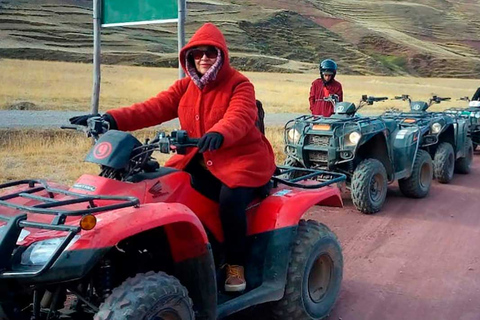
<point x="314" y="274"/>
<point x="444" y="162"/>
<point x="463" y="164"/>
<point x="147" y="296"/>
<point x="419" y="182"/>
<point x="369" y="186"/>
<point x="291" y="162"/>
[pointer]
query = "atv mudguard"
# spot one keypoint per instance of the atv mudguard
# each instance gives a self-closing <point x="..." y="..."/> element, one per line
<point x="184" y="230"/>
<point x="286" y="206"/>
<point x="405" y="146"/>
<point x="461" y="134"/>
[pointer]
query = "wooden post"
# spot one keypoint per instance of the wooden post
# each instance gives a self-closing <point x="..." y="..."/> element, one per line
<point x="182" y="8"/>
<point x="96" y="55"/>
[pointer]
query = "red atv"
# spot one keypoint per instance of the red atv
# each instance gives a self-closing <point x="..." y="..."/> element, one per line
<point x="140" y="242"/>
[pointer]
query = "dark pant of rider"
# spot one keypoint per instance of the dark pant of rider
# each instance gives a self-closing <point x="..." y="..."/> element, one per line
<point x="233" y="204"/>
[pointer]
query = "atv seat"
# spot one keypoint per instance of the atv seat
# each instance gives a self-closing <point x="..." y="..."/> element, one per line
<point x="162" y="171"/>
<point x="260" y="122"/>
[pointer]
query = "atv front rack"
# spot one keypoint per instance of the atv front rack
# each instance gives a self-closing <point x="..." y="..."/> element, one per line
<point x="325" y="178"/>
<point x="10" y="232"/>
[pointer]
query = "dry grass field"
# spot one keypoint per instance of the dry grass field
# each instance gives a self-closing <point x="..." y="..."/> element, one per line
<point x="58" y="155"/>
<point x="68" y="86"/>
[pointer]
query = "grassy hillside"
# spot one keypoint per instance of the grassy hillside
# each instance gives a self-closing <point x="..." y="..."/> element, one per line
<point x="437" y="38"/>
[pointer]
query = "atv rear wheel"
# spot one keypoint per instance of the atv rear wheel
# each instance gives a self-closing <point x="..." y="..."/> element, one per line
<point x="463" y="165"/>
<point x="369" y="186"/>
<point x="419" y="182"/>
<point x="314" y="274"/>
<point x="148" y="296"/>
<point x="444" y="162"/>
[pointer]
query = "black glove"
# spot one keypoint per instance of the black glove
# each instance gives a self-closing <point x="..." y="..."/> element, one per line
<point x="83" y="120"/>
<point x="209" y="142"/>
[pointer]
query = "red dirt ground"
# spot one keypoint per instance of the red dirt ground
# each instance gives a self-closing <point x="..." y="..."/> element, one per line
<point x="416" y="259"/>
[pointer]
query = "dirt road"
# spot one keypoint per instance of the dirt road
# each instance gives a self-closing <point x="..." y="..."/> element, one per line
<point x="417" y="259"/>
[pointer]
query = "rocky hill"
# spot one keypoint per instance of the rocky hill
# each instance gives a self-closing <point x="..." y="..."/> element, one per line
<point x="433" y="38"/>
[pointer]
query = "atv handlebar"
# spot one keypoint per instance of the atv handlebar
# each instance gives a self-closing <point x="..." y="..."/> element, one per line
<point x="177" y="141"/>
<point x="403" y="97"/>
<point x="436" y="99"/>
<point x="94" y="128"/>
<point x="371" y="99"/>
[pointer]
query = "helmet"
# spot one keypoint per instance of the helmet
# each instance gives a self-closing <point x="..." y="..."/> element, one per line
<point x="328" y="65"/>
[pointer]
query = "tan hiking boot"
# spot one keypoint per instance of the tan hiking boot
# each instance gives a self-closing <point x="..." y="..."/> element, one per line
<point x="235" y="280"/>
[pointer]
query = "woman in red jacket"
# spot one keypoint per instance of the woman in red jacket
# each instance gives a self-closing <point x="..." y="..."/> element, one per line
<point x="215" y="103"/>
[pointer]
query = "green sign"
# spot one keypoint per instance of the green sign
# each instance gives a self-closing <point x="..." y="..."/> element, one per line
<point x="133" y="12"/>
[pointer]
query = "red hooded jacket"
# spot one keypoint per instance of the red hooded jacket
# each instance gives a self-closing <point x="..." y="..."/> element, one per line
<point x="318" y="91"/>
<point x="225" y="105"/>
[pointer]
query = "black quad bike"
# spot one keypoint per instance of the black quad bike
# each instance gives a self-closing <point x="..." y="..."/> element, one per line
<point x="371" y="151"/>
<point x="472" y="115"/>
<point x="444" y="137"/>
<point x="139" y="241"/>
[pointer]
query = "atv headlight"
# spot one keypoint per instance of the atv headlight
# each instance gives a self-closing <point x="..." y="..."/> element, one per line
<point x="436" y="127"/>
<point x="353" y="138"/>
<point x="38" y="253"/>
<point x="293" y="135"/>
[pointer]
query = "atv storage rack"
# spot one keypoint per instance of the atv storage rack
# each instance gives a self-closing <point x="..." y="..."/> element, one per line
<point x="296" y="175"/>
<point x="10" y="232"/>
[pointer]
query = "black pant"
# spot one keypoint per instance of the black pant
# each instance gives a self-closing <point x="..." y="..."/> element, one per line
<point x="233" y="203"/>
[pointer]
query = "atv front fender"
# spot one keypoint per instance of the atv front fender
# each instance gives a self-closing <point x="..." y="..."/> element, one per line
<point x="286" y="206"/>
<point x="184" y="230"/>
<point x="461" y="135"/>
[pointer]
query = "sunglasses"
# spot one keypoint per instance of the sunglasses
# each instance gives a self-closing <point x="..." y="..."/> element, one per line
<point x="198" y="54"/>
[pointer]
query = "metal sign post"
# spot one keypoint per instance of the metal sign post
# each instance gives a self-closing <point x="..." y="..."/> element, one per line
<point x="96" y="56"/>
<point x="182" y="9"/>
<point x="113" y="13"/>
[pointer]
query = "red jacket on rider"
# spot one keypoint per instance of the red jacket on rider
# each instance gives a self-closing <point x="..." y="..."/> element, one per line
<point x="226" y="105"/>
<point x="318" y="91"/>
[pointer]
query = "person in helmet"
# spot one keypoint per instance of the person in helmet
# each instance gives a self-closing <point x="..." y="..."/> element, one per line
<point x="323" y="87"/>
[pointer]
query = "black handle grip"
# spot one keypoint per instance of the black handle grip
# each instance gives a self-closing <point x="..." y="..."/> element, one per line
<point x="68" y="126"/>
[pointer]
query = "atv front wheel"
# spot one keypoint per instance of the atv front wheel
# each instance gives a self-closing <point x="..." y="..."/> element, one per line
<point x="291" y="162"/>
<point x="463" y="165"/>
<point x="444" y="162"/>
<point x="314" y="274"/>
<point x="369" y="186"/>
<point x="419" y="182"/>
<point x="148" y="296"/>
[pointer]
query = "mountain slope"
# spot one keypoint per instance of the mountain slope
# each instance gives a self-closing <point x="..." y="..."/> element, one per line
<point x="424" y="38"/>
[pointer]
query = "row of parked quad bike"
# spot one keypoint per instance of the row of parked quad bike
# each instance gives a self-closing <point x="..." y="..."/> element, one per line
<point x="141" y="241"/>
<point x="410" y="147"/>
